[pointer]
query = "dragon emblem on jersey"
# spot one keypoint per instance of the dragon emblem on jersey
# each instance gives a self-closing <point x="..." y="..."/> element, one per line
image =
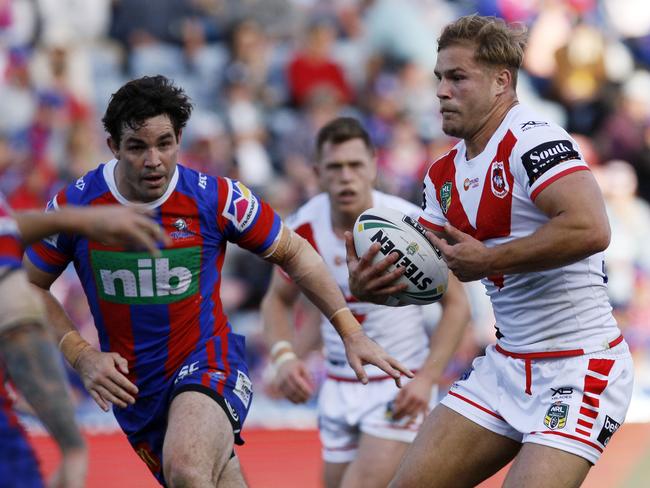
<point x="498" y="180"/>
<point x="445" y="197"/>
<point x="241" y="206"/>
<point x="556" y="416"/>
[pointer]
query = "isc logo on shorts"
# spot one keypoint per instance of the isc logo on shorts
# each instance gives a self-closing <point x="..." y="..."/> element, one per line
<point x="138" y="279"/>
<point x="556" y="416"/>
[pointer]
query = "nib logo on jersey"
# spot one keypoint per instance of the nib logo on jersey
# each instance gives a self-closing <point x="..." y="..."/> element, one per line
<point x="136" y="278"/>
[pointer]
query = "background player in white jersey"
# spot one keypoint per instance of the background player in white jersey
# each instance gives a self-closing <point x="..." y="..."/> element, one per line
<point x="364" y="429"/>
<point x="514" y="204"/>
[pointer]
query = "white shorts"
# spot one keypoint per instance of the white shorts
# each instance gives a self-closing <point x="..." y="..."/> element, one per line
<point x="346" y="408"/>
<point x="574" y="404"/>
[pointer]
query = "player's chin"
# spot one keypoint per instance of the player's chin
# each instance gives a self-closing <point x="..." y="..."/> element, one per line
<point x="451" y="129"/>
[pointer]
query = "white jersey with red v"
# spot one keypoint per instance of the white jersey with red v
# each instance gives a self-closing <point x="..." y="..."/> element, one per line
<point x="491" y="197"/>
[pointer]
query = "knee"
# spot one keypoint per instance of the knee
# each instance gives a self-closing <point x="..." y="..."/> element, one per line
<point x="179" y="474"/>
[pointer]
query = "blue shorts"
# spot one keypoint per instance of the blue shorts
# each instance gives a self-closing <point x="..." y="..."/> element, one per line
<point x="18" y="465"/>
<point x="217" y="369"/>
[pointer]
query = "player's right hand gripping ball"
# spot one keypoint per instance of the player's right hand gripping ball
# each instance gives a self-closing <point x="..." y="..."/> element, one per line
<point x="425" y="271"/>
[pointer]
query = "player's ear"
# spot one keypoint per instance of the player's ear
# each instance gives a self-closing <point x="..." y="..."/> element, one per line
<point x="110" y="142"/>
<point x="503" y="81"/>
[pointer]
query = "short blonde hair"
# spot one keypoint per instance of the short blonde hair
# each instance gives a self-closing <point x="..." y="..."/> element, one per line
<point x="497" y="43"/>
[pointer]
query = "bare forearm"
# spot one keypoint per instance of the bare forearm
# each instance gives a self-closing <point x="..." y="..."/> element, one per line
<point x="57" y="318"/>
<point x="557" y="243"/>
<point x="309" y="272"/>
<point x="578" y="227"/>
<point x="275" y="315"/>
<point x="447" y="336"/>
<point x="36" y="225"/>
<point x="32" y="362"/>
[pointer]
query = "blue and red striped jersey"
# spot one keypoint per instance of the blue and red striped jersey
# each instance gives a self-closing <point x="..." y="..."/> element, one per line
<point x="11" y="247"/>
<point x="155" y="311"/>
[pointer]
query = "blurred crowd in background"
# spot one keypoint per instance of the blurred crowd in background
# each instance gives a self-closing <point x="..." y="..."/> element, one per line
<point x="265" y="75"/>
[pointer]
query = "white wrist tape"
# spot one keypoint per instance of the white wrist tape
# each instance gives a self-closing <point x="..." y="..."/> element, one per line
<point x="278" y="346"/>
<point x="283" y="358"/>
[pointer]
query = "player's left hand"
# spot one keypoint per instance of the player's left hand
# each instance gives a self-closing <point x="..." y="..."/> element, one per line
<point x="467" y="258"/>
<point x="372" y="282"/>
<point x="413" y="399"/>
<point x="360" y="350"/>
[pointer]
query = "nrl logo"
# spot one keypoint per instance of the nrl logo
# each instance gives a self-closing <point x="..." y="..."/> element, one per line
<point x="445" y="197"/>
<point x="556" y="416"/>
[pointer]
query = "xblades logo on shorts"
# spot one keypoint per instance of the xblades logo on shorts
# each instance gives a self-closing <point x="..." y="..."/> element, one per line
<point x="562" y="391"/>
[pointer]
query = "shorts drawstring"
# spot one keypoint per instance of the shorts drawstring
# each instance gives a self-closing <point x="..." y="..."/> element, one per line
<point x="529" y="375"/>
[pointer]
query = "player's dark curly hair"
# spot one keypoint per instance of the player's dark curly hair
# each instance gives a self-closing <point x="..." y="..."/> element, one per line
<point x="339" y="130"/>
<point x="141" y="99"/>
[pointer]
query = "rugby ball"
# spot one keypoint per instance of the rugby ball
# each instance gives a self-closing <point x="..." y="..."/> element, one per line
<point x="425" y="271"/>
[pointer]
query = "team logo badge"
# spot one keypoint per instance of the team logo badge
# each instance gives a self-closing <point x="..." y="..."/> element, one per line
<point x="445" y="197"/>
<point x="498" y="181"/>
<point x="242" y="205"/>
<point x="180" y="224"/>
<point x="412" y="248"/>
<point x="556" y="416"/>
<point x="183" y="230"/>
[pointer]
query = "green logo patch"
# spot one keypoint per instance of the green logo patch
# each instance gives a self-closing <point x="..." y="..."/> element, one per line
<point x="445" y="197"/>
<point x="137" y="278"/>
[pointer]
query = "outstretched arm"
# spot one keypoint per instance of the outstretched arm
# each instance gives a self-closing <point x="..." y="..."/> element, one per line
<point x="110" y="224"/>
<point x="306" y="268"/>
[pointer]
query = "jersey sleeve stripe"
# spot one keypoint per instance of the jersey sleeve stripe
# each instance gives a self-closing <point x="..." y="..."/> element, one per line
<point x="554" y="178"/>
<point x="430" y="225"/>
<point x="47" y="258"/>
<point x="262" y="234"/>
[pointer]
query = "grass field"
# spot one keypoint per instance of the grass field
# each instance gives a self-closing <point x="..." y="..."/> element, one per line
<point x="291" y="459"/>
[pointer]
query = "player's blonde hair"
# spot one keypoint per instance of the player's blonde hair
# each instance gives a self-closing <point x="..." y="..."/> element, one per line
<point x="497" y="43"/>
